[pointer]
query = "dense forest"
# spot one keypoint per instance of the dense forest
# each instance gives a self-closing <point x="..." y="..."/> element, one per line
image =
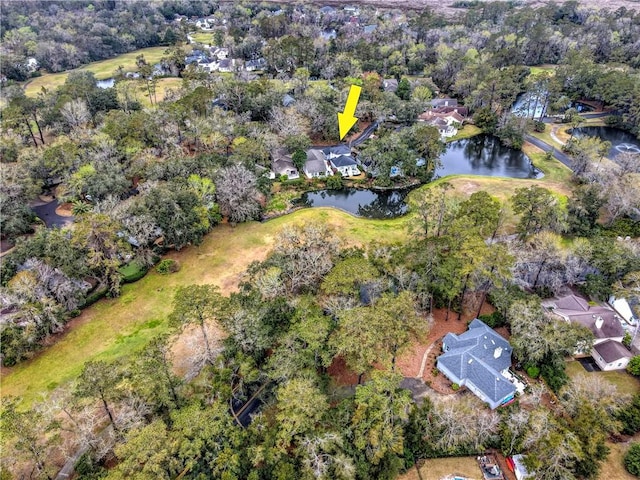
<point x="146" y="170"/>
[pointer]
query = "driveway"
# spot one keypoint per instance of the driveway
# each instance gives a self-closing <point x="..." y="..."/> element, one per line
<point x="47" y="212"/>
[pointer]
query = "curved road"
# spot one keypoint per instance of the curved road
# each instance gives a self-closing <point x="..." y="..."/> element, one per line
<point x="560" y="156"/>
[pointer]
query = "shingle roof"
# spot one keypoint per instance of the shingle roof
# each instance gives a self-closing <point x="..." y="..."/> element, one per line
<point x="315" y="161"/>
<point x="341" y="149"/>
<point x="478" y="356"/>
<point x="610" y="351"/>
<point x="343" y="161"/>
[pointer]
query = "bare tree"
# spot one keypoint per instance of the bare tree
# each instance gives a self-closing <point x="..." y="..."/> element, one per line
<point x="237" y="194"/>
<point x="75" y="113"/>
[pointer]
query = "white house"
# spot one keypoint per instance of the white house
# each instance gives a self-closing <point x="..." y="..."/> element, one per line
<point x="611" y="355"/>
<point x="316" y="165"/>
<point x="283" y="165"/>
<point x="346" y="165"/>
<point x="520" y="469"/>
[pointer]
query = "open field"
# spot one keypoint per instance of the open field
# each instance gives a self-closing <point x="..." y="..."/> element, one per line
<point x="162" y="86"/>
<point x="205" y="38"/>
<point x="102" y="69"/>
<point x="625" y="383"/>
<point x="436" y="468"/>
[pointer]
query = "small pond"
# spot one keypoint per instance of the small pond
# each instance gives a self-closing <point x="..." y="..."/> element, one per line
<point x="485" y="155"/>
<point x="529" y="105"/>
<point x="621" y="141"/>
<point x="106" y="83"/>
<point x="362" y="203"/>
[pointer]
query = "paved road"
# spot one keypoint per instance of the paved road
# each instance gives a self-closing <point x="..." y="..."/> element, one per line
<point x="364" y="135"/>
<point x="560" y="156"/>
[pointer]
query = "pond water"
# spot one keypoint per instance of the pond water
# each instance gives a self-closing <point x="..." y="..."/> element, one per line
<point x="485" y="155"/>
<point x="621" y="141"/>
<point x="529" y="105"/>
<point x="362" y="203"/>
<point x="106" y="83"/>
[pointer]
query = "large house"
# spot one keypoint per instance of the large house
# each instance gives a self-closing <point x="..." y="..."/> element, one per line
<point x="603" y="321"/>
<point x="479" y="359"/>
<point x="316" y="165"/>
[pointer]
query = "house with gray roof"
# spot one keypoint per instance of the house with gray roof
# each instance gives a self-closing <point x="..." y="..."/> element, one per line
<point x="444" y="102"/>
<point x="346" y="165"/>
<point x="282" y="164"/>
<point x="477" y="359"/>
<point x="316" y="165"/>
<point x="336" y="151"/>
<point x="611" y="355"/>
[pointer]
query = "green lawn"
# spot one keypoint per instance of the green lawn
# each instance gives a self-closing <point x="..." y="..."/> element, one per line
<point x="465" y="132"/>
<point x="206" y="38"/>
<point x="626" y="383"/>
<point x="102" y="69"/>
<point x="542" y="68"/>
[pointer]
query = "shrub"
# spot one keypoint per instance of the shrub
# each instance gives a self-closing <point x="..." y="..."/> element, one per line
<point x="132" y="272"/>
<point x="96" y="295"/>
<point x="455" y="387"/>
<point x="539" y="126"/>
<point x="493" y="320"/>
<point x="335" y="182"/>
<point x="632" y="459"/>
<point x="533" y="371"/>
<point x="634" y="366"/>
<point x="626" y="340"/>
<point x="167" y="266"/>
<point x="555" y="376"/>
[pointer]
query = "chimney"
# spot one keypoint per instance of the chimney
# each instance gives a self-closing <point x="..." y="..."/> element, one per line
<point x="599" y="322"/>
<point x="497" y="352"/>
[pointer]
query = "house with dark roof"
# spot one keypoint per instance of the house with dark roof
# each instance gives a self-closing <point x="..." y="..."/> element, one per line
<point x="390" y="85"/>
<point x="336" y="151"/>
<point x="477" y="359"/>
<point x="282" y="164"/>
<point x="316" y="165"/>
<point x="444" y="102"/>
<point x="604" y="322"/>
<point x="611" y="355"/>
<point x="346" y="165"/>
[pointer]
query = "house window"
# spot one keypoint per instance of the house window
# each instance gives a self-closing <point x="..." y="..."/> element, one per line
<point x="620" y="364"/>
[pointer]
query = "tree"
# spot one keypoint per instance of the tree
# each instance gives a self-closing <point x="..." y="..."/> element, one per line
<point x="31" y="435"/>
<point x="404" y="89"/>
<point x="237" y="194"/>
<point x="198" y="305"/>
<point x="538" y="209"/>
<point x="301" y="405"/>
<point x="632" y="459"/>
<point x="634" y="366"/>
<point x="100" y="380"/>
<point x="381" y="409"/>
<point x="299" y="158"/>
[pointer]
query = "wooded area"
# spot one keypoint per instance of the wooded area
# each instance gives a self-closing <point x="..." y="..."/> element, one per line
<point x="144" y="174"/>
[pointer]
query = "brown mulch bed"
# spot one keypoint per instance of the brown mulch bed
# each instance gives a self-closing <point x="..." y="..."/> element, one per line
<point x="409" y="363"/>
<point x="64" y="210"/>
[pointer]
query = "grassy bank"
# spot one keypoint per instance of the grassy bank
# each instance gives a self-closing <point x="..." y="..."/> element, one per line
<point x="102" y="69"/>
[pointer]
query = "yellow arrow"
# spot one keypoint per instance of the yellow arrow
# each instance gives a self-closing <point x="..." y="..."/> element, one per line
<point x="347" y="118"/>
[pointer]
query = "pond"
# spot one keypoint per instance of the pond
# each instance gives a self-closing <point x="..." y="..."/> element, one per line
<point x="485" y="155"/>
<point x="621" y="141"/>
<point x="106" y="83"/>
<point x="479" y="155"/>
<point x="361" y="203"/>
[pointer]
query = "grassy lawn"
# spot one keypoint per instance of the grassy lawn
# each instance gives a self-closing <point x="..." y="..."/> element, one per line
<point x="436" y="468"/>
<point x="542" y="68"/>
<point x="613" y="467"/>
<point x="626" y="383"/>
<point x="205" y="38"/>
<point x="102" y="69"/>
<point x="115" y="328"/>
<point x="465" y="132"/>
